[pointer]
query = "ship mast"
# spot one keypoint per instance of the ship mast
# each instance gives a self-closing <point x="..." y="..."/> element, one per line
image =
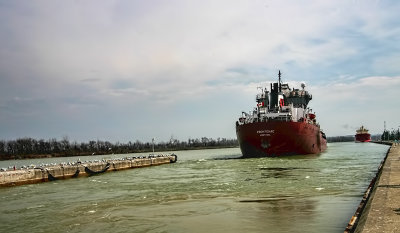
<point x="279" y="75"/>
<point x="280" y="86"/>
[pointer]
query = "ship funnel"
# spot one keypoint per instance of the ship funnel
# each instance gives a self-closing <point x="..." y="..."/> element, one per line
<point x="303" y="85"/>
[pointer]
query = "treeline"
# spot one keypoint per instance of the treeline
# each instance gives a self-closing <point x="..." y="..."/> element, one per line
<point x="390" y="135"/>
<point x="349" y="138"/>
<point x="385" y="136"/>
<point x="23" y="148"/>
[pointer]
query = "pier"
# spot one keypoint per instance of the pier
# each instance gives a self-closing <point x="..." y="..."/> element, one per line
<point x="379" y="210"/>
<point x="78" y="169"/>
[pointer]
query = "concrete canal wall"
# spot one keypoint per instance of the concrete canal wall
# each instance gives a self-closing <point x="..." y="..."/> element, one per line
<point x="65" y="171"/>
<point x="379" y="210"/>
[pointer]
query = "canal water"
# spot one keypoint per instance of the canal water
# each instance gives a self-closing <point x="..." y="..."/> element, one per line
<point x="205" y="191"/>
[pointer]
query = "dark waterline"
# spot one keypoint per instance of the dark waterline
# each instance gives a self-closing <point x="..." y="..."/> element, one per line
<point x="204" y="191"/>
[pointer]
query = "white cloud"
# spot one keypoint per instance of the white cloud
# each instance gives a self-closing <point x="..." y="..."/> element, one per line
<point x="368" y="101"/>
<point x="125" y="56"/>
<point x="388" y="63"/>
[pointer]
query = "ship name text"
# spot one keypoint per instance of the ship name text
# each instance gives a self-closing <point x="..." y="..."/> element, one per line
<point x="265" y="132"/>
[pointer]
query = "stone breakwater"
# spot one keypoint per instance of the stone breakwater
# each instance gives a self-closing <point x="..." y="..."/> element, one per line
<point x="78" y="169"/>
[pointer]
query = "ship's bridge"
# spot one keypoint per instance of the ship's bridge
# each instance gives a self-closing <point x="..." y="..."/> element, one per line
<point x="281" y="103"/>
<point x="299" y="98"/>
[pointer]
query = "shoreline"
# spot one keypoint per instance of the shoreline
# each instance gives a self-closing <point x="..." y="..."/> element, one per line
<point x="27" y="157"/>
<point x="375" y="211"/>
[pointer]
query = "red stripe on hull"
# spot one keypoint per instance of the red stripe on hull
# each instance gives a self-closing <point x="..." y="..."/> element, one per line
<point x="274" y="138"/>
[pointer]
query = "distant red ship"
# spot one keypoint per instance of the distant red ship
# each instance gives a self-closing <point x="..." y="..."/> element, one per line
<point x="362" y="135"/>
<point x="281" y="124"/>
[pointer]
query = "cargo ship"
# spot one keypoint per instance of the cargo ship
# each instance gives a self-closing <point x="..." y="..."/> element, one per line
<point x="280" y="124"/>
<point x="362" y="135"/>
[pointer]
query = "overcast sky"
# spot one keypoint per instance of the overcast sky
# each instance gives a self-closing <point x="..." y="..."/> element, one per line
<point x="133" y="70"/>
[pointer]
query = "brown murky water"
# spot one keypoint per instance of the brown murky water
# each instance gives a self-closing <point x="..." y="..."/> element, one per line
<point x="205" y="191"/>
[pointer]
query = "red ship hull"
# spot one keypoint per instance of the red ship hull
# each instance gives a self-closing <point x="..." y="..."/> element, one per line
<point x="364" y="137"/>
<point x="276" y="138"/>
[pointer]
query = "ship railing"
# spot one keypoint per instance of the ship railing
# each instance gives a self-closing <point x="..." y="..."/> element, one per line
<point x="249" y="119"/>
<point x="284" y="118"/>
<point x="277" y="117"/>
<point x="266" y="119"/>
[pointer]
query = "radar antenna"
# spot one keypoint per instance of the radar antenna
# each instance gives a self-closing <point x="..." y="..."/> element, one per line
<point x="279" y="75"/>
<point x="280" y="86"/>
